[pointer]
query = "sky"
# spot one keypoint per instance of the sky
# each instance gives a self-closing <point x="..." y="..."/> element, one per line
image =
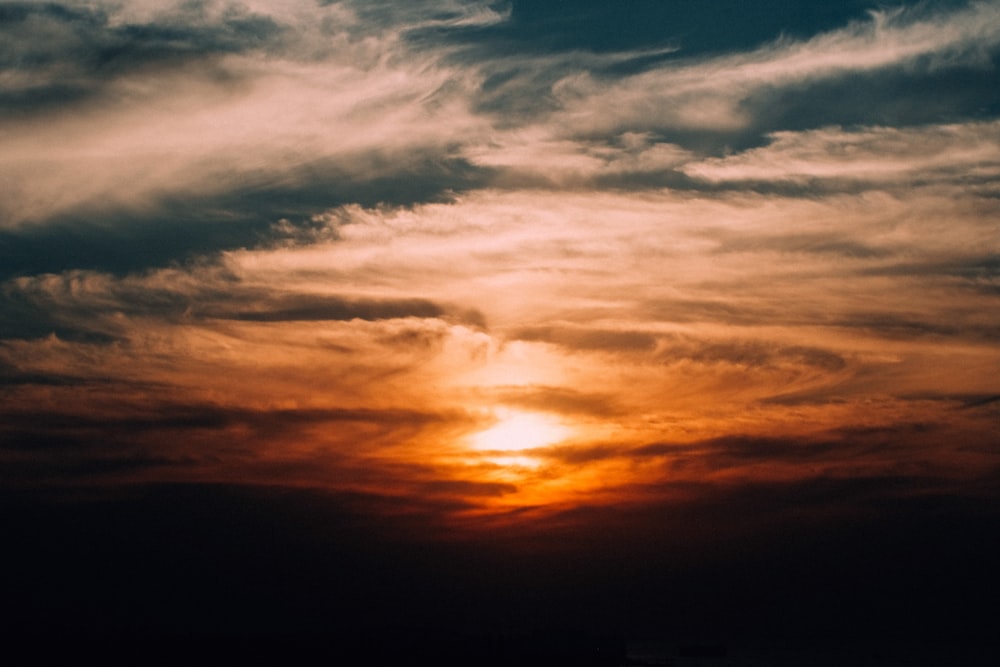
<point x="703" y="298"/>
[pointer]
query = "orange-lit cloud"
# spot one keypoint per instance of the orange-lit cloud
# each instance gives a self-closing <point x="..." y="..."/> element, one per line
<point x="318" y="246"/>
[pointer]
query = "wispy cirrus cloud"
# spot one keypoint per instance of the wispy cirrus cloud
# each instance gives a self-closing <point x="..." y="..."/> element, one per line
<point x="330" y="243"/>
<point x="710" y="95"/>
<point x="526" y="300"/>
<point x="210" y="100"/>
<point x="877" y="157"/>
<point x="654" y="316"/>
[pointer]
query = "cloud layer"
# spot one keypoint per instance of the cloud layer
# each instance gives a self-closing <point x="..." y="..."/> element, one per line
<point x="326" y="245"/>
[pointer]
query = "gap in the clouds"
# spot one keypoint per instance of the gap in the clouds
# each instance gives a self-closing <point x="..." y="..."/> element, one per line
<point x="895" y="98"/>
<point x="698" y="28"/>
<point x="900" y="98"/>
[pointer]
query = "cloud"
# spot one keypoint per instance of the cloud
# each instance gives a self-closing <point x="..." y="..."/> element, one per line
<point x="754" y="354"/>
<point x="875" y="157"/>
<point x="910" y="451"/>
<point x="330" y="245"/>
<point x="593" y="339"/>
<point x="232" y="111"/>
<point x="692" y="295"/>
<point x="327" y="308"/>
<point x="61" y="54"/>
<point x="709" y="95"/>
<point x="119" y="238"/>
<point x="539" y="158"/>
<point x="675" y="348"/>
<point x="429" y="15"/>
<point x="228" y="120"/>
<point x="560" y="400"/>
<point x="139" y="438"/>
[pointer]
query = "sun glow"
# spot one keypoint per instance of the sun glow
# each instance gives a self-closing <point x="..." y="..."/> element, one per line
<point x="516" y="431"/>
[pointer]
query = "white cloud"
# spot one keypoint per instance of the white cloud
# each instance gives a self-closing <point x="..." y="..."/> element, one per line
<point x="235" y="121"/>
<point x="707" y="94"/>
<point x="876" y="156"/>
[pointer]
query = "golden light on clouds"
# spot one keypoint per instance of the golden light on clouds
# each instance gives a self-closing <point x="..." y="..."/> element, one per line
<point x="405" y="325"/>
<point x="515" y="431"/>
<point x="360" y="259"/>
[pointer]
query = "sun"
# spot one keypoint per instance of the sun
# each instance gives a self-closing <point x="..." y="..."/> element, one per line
<point x="517" y="431"/>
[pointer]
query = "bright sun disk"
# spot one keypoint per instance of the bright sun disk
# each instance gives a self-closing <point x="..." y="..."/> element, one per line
<point x="516" y="431"/>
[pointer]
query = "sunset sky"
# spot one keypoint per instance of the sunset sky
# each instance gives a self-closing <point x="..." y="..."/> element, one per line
<point x="647" y="285"/>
